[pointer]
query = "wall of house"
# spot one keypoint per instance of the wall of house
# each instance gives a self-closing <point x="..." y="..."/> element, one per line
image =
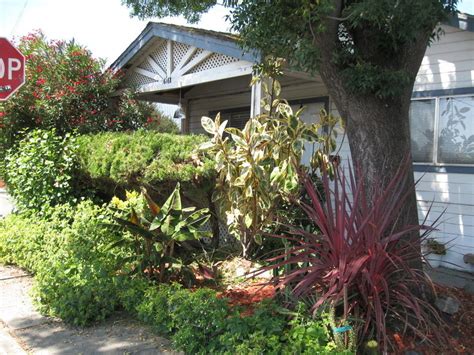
<point x="219" y="95"/>
<point x="448" y="63"/>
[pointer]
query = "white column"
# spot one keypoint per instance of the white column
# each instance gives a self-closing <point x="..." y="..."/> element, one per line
<point x="255" y="101"/>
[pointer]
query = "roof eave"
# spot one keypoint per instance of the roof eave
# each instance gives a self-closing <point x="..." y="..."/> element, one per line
<point x="153" y="30"/>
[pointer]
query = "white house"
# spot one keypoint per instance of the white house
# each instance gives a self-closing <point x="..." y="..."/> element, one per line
<point x="207" y="72"/>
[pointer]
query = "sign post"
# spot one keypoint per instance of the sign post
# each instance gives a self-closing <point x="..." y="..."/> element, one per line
<point x="12" y="69"/>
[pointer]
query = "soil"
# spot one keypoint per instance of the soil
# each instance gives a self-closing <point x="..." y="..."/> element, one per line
<point x="2" y="184"/>
<point x="460" y="327"/>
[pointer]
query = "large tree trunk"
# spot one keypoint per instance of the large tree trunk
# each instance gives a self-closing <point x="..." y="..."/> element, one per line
<point x="378" y="129"/>
<point x="379" y="137"/>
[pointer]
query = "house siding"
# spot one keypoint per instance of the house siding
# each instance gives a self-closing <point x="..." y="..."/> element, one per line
<point x="448" y="62"/>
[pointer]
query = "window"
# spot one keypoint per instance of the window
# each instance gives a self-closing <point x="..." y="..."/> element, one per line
<point x="237" y="117"/>
<point x="442" y="130"/>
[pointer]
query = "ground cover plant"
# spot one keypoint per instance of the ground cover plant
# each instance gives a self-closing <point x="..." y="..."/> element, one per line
<point x="77" y="279"/>
<point x="68" y="253"/>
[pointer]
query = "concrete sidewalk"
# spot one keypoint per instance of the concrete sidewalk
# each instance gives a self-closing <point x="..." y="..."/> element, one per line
<point x="6" y="205"/>
<point x="24" y="331"/>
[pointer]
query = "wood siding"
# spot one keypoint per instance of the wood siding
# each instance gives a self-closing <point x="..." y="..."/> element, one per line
<point x="448" y="62"/>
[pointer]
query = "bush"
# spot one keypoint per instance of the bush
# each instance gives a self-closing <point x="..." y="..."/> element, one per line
<point x="142" y="156"/>
<point x="40" y="170"/>
<point x="69" y="253"/>
<point x="66" y="89"/>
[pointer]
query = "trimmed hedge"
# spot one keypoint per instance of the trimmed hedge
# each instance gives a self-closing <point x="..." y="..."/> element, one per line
<point x="143" y="157"/>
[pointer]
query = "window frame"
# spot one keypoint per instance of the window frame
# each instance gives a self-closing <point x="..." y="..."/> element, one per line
<point x="436" y="132"/>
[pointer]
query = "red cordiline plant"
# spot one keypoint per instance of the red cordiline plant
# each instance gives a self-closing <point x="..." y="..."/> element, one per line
<point x="359" y="263"/>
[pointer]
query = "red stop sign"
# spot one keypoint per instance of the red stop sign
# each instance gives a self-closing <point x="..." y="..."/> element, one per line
<point x="12" y="69"/>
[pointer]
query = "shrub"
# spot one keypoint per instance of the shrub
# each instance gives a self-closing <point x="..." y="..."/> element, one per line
<point x="66" y="89"/>
<point x="40" y="170"/>
<point x="77" y="279"/>
<point x="142" y="156"/>
<point x="69" y="253"/>
<point x="257" y="167"/>
<point x="359" y="263"/>
<point x="161" y="236"/>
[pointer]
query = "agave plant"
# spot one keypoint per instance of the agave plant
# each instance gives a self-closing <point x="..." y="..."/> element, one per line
<point x="157" y="239"/>
<point x="360" y="263"/>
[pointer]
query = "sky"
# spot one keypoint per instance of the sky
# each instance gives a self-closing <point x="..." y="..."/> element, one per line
<point x="103" y="26"/>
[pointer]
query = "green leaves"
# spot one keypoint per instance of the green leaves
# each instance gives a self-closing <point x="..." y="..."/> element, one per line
<point x="257" y="167"/>
<point x="40" y="170"/>
<point x="170" y="225"/>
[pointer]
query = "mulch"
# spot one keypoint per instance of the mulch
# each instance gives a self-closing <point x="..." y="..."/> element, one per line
<point x="460" y="327"/>
<point x="247" y="296"/>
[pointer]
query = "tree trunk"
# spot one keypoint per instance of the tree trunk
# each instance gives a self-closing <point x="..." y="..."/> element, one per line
<point x="378" y="129"/>
<point x="378" y="132"/>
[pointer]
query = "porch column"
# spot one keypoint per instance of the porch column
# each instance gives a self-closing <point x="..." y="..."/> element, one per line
<point x="255" y="107"/>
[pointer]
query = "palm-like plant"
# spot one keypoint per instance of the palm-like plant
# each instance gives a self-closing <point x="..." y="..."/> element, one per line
<point x="156" y="239"/>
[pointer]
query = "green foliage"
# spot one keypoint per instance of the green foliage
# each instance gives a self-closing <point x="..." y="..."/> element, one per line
<point x="142" y="114"/>
<point x="159" y="234"/>
<point x="191" y="10"/>
<point x="200" y="322"/>
<point x="68" y="253"/>
<point x="258" y="166"/>
<point x="66" y="89"/>
<point x="40" y="170"/>
<point x="77" y="279"/>
<point x="142" y="157"/>
<point x="435" y="247"/>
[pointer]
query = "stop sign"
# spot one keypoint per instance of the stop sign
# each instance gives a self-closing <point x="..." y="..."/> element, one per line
<point x="12" y="69"/>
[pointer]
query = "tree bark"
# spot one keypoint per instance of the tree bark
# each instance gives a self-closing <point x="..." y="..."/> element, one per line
<point x="378" y="129"/>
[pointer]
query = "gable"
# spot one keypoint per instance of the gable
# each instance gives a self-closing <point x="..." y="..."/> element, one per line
<point x="166" y="57"/>
<point x="168" y="64"/>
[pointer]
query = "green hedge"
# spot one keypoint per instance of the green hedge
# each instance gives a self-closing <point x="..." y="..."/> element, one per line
<point x="143" y="156"/>
<point x="69" y="254"/>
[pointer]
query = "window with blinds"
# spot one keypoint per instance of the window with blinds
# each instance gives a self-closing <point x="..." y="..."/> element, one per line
<point x="237" y="117"/>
